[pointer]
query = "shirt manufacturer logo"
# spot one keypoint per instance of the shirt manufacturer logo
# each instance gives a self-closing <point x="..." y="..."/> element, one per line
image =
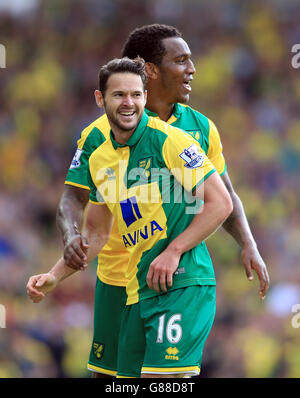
<point x="172" y="353"/>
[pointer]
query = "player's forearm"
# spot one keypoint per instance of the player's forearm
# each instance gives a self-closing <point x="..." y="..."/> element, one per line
<point x="202" y="226"/>
<point x="217" y="207"/>
<point x="69" y="217"/>
<point x="96" y="243"/>
<point x="237" y="225"/>
<point x="97" y="238"/>
<point x="70" y="211"/>
<point x="97" y="228"/>
<point x="61" y="271"/>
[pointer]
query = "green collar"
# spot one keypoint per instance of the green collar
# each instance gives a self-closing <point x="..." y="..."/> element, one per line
<point x="178" y="109"/>
<point x="138" y="132"/>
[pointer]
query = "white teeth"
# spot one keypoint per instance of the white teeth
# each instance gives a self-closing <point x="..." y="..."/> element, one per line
<point x="127" y="113"/>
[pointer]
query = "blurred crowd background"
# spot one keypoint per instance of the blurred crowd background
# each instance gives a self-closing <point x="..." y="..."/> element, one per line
<point x="244" y="82"/>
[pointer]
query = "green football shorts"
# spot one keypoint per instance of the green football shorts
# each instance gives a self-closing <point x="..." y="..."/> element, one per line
<point x="109" y="305"/>
<point x="166" y="334"/>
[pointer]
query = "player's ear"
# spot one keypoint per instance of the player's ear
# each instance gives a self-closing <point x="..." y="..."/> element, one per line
<point x="99" y="98"/>
<point x="151" y="70"/>
<point x="145" y="96"/>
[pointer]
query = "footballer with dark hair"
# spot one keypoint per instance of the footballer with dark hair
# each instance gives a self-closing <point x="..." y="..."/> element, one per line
<point x="170" y="72"/>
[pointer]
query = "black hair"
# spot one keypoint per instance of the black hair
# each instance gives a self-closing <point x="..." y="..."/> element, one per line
<point x="146" y="42"/>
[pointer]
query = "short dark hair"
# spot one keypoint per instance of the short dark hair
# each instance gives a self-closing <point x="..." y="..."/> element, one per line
<point x="122" y="65"/>
<point x="146" y="42"/>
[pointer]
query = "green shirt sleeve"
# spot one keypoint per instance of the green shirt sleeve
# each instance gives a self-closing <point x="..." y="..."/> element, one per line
<point x="89" y="141"/>
<point x="95" y="195"/>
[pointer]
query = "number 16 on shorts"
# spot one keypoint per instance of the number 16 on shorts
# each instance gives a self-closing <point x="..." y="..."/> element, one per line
<point x="171" y="327"/>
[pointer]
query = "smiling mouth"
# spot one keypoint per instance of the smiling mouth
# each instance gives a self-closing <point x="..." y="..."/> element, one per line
<point x="127" y="114"/>
<point x="187" y="85"/>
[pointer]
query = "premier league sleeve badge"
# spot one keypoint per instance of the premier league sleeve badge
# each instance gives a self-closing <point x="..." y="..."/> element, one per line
<point x="192" y="157"/>
<point x="75" y="161"/>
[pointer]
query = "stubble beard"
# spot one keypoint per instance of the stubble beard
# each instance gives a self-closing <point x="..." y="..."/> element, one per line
<point x="120" y="126"/>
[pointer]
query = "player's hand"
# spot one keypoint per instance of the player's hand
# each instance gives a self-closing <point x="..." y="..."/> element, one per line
<point x="252" y="261"/>
<point x="161" y="270"/>
<point x="75" y="252"/>
<point x="40" y="285"/>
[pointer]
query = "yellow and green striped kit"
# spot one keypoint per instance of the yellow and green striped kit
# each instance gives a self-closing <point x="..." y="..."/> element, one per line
<point x="147" y="185"/>
<point x="113" y="258"/>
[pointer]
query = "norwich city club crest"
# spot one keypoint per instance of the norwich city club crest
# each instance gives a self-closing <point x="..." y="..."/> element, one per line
<point x="98" y="350"/>
<point x="146" y="165"/>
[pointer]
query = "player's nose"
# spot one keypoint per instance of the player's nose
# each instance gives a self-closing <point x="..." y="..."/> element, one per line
<point x="190" y="69"/>
<point x="128" y="100"/>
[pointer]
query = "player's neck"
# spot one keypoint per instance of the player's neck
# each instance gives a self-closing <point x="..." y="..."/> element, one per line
<point x="120" y="136"/>
<point x="158" y="105"/>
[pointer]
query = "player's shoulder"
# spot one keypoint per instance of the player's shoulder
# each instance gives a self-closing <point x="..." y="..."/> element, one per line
<point x="95" y="133"/>
<point x="192" y="114"/>
<point x="104" y="147"/>
<point x="162" y="128"/>
<point x="168" y="135"/>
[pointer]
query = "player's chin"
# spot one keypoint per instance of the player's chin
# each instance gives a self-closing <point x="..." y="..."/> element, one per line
<point x="128" y="125"/>
<point x="183" y="98"/>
